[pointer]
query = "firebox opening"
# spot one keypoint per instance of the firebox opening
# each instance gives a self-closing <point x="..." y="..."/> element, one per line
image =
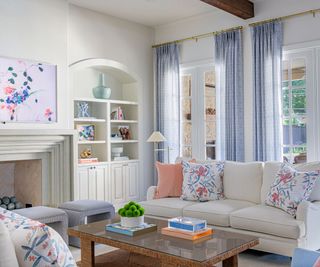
<point x="21" y="183"/>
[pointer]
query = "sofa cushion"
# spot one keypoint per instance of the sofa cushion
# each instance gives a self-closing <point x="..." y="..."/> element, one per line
<point x="216" y="212"/>
<point x="165" y="207"/>
<point x="269" y="175"/>
<point x="267" y="220"/>
<point x="311" y="166"/>
<point x="272" y="167"/>
<point x="242" y="181"/>
<point x="290" y="188"/>
<point x="202" y="182"/>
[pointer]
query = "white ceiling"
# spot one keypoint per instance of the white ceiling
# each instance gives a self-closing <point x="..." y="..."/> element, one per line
<point x="148" y="12"/>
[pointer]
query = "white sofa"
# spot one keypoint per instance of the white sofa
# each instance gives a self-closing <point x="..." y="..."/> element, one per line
<point x="243" y="211"/>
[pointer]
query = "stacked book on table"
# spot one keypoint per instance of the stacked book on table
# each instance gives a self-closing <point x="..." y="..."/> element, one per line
<point x="131" y="231"/>
<point x="187" y="228"/>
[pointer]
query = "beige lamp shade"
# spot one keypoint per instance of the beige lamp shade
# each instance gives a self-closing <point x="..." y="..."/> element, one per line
<point x="156" y="137"/>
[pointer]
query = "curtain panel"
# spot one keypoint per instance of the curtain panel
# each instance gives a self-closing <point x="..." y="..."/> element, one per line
<point x="167" y="90"/>
<point x="230" y="95"/>
<point x="267" y="58"/>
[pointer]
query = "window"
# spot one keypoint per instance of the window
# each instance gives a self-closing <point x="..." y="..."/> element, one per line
<point x="294" y="111"/>
<point x="299" y="106"/>
<point x="198" y="112"/>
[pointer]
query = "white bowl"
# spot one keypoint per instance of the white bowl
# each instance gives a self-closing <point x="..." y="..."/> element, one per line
<point x="117" y="149"/>
<point x="132" y="221"/>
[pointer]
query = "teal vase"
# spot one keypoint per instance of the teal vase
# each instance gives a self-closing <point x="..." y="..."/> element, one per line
<point x="101" y="91"/>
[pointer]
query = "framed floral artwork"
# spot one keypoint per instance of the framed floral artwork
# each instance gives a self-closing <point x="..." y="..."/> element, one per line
<point x="28" y="91"/>
<point x="85" y="132"/>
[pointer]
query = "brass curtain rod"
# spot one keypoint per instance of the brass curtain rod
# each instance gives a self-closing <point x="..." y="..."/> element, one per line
<point x="204" y="35"/>
<point x="312" y="11"/>
<point x="196" y="37"/>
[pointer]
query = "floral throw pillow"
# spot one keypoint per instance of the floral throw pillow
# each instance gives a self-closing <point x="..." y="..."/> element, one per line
<point x="202" y="182"/>
<point x="290" y="188"/>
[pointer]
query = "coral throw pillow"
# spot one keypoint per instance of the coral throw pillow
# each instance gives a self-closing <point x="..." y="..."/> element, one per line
<point x="290" y="188"/>
<point x="317" y="263"/>
<point x="169" y="180"/>
<point x="202" y="182"/>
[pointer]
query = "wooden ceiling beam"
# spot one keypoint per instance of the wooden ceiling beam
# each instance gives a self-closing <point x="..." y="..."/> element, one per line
<point x="240" y="8"/>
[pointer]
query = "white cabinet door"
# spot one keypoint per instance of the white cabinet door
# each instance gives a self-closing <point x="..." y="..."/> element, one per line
<point x="83" y="182"/>
<point x="132" y="181"/>
<point x="93" y="183"/>
<point x="117" y="183"/>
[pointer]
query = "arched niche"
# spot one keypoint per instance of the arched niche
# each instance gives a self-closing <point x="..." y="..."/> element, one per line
<point x="124" y="83"/>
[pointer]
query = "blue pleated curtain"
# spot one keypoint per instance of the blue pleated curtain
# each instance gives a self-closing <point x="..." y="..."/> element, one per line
<point x="230" y="95"/>
<point x="167" y="89"/>
<point x="267" y="58"/>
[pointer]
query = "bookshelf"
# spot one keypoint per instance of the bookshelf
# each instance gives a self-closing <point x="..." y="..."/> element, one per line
<point x="109" y="179"/>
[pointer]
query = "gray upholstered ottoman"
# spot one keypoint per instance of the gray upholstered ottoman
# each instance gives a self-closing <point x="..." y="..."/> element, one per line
<point x="86" y="211"/>
<point x="53" y="217"/>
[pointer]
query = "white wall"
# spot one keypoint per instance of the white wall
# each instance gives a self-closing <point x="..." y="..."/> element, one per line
<point x="37" y="30"/>
<point x="96" y="35"/>
<point x="296" y="30"/>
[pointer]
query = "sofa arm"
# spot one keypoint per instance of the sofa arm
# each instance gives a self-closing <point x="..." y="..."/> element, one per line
<point x="309" y="213"/>
<point x="151" y="192"/>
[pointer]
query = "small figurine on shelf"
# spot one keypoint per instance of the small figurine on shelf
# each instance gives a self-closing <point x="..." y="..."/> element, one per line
<point x="86" y="153"/>
<point x="85" y="157"/>
<point x="124" y="132"/>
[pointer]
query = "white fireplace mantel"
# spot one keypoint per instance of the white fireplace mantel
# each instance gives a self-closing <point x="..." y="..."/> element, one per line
<point x="56" y="150"/>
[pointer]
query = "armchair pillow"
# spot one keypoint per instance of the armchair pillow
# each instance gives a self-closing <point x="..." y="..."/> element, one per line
<point x="36" y="244"/>
<point x="7" y="253"/>
<point x="290" y="188"/>
<point x="202" y="182"/>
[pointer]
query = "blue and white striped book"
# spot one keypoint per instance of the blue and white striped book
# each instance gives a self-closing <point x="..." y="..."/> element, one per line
<point x="187" y="223"/>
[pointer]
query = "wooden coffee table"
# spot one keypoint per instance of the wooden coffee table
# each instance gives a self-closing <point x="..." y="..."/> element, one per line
<point x="164" y="250"/>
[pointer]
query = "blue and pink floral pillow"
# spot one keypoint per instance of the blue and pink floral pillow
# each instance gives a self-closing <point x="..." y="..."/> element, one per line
<point x="202" y="182"/>
<point x="36" y="244"/>
<point x="290" y="188"/>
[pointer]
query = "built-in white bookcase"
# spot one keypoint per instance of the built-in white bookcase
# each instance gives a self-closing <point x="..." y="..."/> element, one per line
<point x="107" y="179"/>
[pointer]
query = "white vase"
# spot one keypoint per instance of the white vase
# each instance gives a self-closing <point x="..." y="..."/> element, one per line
<point x="132" y="221"/>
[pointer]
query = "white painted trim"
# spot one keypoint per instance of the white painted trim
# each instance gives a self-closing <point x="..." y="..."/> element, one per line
<point x="299" y="47"/>
<point x="198" y="63"/>
<point x="55" y="151"/>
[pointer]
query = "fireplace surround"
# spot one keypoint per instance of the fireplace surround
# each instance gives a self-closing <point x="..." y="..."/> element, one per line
<point x="54" y="149"/>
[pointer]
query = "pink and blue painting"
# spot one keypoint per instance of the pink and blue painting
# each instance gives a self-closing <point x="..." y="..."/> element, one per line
<point x="28" y="91"/>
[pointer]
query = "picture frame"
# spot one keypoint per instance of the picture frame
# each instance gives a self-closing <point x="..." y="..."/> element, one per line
<point x="86" y="132"/>
<point x="28" y="91"/>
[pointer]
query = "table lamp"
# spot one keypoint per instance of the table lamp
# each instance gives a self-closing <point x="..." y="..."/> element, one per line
<point x="157" y="137"/>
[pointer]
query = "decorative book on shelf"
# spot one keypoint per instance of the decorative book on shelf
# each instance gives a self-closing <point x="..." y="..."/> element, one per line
<point x="187" y="234"/>
<point x="131" y="231"/>
<point x="117" y="114"/>
<point x="88" y="160"/>
<point x="187" y="223"/>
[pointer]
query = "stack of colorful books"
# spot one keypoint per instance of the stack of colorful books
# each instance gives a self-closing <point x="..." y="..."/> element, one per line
<point x="187" y="228"/>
